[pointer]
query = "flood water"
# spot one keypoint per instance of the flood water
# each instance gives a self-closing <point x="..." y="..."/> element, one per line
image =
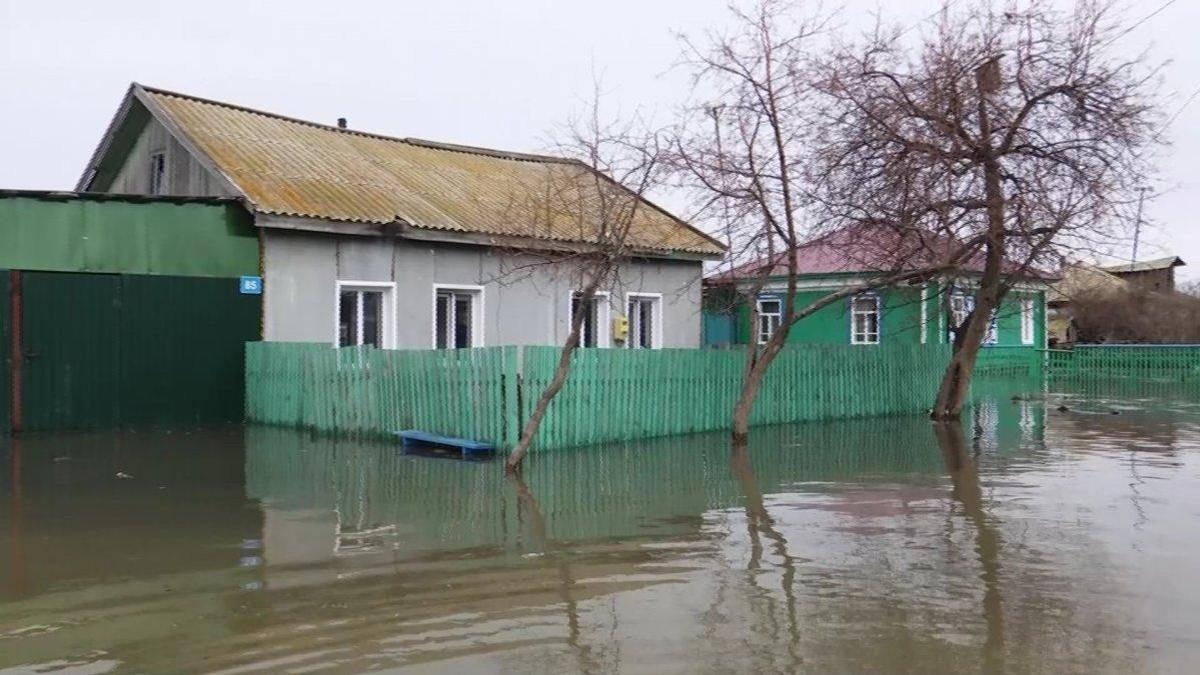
<point x="1033" y="539"/>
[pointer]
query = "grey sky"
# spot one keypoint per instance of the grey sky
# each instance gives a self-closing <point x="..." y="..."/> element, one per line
<point x="498" y="74"/>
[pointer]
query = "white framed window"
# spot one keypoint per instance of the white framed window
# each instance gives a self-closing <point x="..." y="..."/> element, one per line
<point x="644" y="311"/>
<point x="365" y="314"/>
<point x="158" y="173"/>
<point x="457" y="316"/>
<point x="864" y="320"/>
<point x="961" y="306"/>
<point x="1026" y="320"/>
<point x="924" y="312"/>
<point x="770" y="314"/>
<point x="595" y="329"/>
<point x="993" y="331"/>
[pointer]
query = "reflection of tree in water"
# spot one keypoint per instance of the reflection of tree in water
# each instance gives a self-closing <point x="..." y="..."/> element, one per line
<point x="829" y="546"/>
<point x="636" y="520"/>
<point x="968" y="493"/>
<point x="905" y="594"/>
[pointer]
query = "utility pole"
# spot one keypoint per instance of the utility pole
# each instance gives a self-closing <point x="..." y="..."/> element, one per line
<point x="1137" y="226"/>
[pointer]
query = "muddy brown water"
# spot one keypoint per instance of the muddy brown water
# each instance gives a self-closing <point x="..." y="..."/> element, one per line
<point x="1031" y="540"/>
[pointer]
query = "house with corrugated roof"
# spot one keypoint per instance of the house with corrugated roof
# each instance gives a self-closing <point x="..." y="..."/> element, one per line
<point x="400" y="242"/>
<point x="1150" y="275"/>
<point x="924" y="310"/>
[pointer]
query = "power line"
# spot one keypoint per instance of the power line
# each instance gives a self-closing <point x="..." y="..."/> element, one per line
<point x="1183" y="107"/>
<point x="941" y="9"/>
<point x="1137" y="23"/>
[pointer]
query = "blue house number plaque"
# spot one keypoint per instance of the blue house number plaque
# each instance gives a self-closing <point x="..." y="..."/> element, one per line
<point x="251" y="286"/>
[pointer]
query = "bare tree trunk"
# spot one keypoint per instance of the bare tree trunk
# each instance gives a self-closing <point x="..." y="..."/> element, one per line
<point x="758" y="366"/>
<point x="556" y="384"/>
<point x="759" y="361"/>
<point x="956" y="382"/>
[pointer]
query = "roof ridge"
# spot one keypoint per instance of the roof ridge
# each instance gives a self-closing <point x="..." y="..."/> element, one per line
<point x="489" y="152"/>
<point x="420" y="142"/>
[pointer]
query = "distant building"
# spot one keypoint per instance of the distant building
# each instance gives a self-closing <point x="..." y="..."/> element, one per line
<point x="1119" y="303"/>
<point x="401" y="242"/>
<point x="1078" y="281"/>
<point x="923" y="311"/>
<point x="1150" y="275"/>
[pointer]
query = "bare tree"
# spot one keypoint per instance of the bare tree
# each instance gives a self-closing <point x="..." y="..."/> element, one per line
<point x="1009" y="121"/>
<point x="602" y="195"/>
<point x="747" y="153"/>
<point x="1131" y="314"/>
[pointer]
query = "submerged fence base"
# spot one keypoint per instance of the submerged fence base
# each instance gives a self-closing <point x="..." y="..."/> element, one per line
<point x="611" y="395"/>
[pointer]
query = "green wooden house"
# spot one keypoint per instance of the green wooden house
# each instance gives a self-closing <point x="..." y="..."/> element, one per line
<point x="925" y="311"/>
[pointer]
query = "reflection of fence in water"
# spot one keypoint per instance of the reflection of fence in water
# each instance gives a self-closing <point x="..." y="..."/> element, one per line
<point x="614" y="490"/>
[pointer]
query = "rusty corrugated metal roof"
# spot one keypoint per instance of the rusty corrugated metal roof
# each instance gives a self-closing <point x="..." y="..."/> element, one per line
<point x="1146" y="265"/>
<point x="868" y="249"/>
<point x="290" y="167"/>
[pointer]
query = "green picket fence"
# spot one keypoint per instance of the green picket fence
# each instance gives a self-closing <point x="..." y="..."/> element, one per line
<point x="1010" y="362"/>
<point x="612" y="395"/>
<point x="617" y="395"/>
<point x="1162" y="363"/>
<point x="469" y="393"/>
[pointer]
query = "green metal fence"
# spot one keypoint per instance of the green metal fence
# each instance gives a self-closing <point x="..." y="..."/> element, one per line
<point x="611" y="395"/>
<point x="1157" y="363"/>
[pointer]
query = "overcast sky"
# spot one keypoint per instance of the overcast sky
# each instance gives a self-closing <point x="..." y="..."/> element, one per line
<point x="481" y="72"/>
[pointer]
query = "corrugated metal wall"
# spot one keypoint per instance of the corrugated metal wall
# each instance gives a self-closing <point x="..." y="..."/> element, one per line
<point x="132" y="350"/>
<point x="5" y="345"/>
<point x="78" y="234"/>
<point x="183" y="348"/>
<point x="69" y="333"/>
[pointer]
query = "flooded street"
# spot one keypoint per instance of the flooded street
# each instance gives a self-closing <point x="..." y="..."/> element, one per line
<point x="1050" y="535"/>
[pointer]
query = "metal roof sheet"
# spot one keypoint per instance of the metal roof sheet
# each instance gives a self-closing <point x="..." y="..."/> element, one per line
<point x="290" y="167"/>
<point x="1145" y="265"/>
<point x="866" y="249"/>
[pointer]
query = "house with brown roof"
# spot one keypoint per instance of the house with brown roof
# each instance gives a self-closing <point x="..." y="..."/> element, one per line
<point x="922" y="311"/>
<point x="400" y="242"/>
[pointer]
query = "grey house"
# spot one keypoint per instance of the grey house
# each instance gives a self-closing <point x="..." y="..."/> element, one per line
<point x="400" y="242"/>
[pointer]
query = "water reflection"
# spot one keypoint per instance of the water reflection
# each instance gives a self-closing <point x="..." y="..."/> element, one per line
<point x="1028" y="539"/>
<point x="964" y="476"/>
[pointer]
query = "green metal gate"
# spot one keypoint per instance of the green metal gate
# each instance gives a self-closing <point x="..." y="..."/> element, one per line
<point x="106" y="350"/>
<point x="69" y="336"/>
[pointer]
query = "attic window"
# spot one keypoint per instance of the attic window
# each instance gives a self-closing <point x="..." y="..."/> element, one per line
<point x="158" y="173"/>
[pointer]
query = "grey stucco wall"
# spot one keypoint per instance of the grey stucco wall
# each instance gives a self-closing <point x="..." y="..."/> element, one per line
<point x="525" y="300"/>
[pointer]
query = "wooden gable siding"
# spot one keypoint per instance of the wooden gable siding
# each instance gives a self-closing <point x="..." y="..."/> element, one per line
<point x="186" y="177"/>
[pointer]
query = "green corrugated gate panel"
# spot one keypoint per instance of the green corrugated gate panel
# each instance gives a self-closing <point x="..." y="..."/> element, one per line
<point x="5" y="341"/>
<point x="70" y="337"/>
<point x="182" y="352"/>
<point x="87" y="235"/>
<point x="107" y="350"/>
